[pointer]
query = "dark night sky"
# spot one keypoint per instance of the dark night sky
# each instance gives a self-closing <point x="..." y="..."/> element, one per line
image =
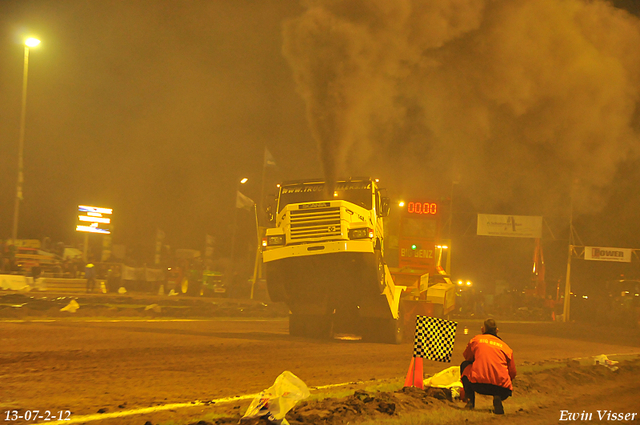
<point x="153" y="108"/>
<point x="157" y="108"/>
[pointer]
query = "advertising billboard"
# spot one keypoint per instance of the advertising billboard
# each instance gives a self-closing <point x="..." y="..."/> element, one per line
<point x="597" y="253"/>
<point x="513" y="226"/>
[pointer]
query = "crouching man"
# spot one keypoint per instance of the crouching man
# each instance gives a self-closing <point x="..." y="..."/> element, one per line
<point x="488" y="368"/>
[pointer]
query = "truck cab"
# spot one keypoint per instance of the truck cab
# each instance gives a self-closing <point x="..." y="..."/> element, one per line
<point x="324" y="258"/>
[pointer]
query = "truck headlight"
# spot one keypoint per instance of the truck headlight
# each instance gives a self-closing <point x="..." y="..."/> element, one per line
<point x="275" y="240"/>
<point x="362" y="233"/>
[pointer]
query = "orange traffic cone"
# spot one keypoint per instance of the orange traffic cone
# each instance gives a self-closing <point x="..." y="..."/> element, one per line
<point x="415" y="375"/>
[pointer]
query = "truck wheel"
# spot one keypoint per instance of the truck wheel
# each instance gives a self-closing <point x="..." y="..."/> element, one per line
<point x="296" y="325"/>
<point x="317" y="327"/>
<point x="275" y="283"/>
<point x="386" y="331"/>
<point x="380" y="271"/>
<point x="391" y="331"/>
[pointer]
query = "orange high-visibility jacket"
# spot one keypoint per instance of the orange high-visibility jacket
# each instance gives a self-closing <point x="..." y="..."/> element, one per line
<point x="492" y="361"/>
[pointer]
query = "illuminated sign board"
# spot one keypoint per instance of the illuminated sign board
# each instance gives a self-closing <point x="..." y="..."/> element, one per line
<point x="607" y="254"/>
<point x="422" y="208"/>
<point x="93" y="220"/>
<point x="419" y="231"/>
<point x="515" y="226"/>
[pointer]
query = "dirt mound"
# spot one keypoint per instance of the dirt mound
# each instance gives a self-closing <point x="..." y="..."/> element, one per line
<point x="554" y="379"/>
<point x="373" y="406"/>
<point x="356" y="407"/>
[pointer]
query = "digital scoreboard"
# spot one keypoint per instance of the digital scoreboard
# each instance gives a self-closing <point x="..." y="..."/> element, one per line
<point x="94" y="219"/>
<point x="427" y="208"/>
<point x="419" y="233"/>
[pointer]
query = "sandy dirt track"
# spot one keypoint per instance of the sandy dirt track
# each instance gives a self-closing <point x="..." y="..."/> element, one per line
<point x="85" y="366"/>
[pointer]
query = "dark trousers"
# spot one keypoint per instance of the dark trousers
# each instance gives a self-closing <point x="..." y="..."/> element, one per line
<point x="471" y="388"/>
<point x="91" y="283"/>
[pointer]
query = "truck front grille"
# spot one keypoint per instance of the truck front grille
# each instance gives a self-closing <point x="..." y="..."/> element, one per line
<point x="315" y="223"/>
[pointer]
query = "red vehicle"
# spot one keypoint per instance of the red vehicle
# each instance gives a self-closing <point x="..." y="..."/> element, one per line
<point x="421" y="251"/>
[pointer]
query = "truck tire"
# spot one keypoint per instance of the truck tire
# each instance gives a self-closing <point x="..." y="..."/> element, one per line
<point x="386" y="331"/>
<point x="275" y="283"/>
<point x="316" y="327"/>
<point x="380" y="271"/>
<point x="391" y="331"/>
<point x="296" y="325"/>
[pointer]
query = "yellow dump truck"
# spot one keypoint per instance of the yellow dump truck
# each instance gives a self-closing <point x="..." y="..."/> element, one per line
<point x="324" y="258"/>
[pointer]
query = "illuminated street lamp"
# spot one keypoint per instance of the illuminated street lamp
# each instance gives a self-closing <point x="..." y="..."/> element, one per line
<point x="29" y="42"/>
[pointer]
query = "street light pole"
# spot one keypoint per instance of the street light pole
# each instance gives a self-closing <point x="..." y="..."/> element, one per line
<point x="30" y="42"/>
<point x="567" y="288"/>
<point x="453" y="183"/>
<point x="235" y="221"/>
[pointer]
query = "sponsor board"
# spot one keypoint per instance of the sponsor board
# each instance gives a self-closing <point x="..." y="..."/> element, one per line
<point x="598" y="253"/>
<point x="514" y="226"/>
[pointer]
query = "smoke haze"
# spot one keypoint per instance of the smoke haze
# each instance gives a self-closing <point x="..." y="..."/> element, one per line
<point x="522" y="99"/>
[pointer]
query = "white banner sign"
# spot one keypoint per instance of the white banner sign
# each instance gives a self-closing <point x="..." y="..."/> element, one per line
<point x="514" y="226"/>
<point x="598" y="253"/>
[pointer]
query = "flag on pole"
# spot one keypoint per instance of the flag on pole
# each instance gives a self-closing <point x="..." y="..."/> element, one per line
<point x="244" y="202"/>
<point x="268" y="158"/>
<point x="434" y="338"/>
<point x="159" y="239"/>
<point x="209" y="241"/>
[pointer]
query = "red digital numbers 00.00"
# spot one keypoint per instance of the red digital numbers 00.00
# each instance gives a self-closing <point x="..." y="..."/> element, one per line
<point x="422" y="208"/>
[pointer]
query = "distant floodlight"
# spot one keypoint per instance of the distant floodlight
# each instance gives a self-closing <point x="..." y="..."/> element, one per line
<point x="401" y="204"/>
<point x="32" y="42"/>
<point x="244" y="180"/>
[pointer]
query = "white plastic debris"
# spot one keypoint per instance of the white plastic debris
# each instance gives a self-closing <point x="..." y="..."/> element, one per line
<point x="604" y="361"/>
<point x="72" y="307"/>
<point x="172" y="293"/>
<point x="154" y="307"/>
<point x="447" y="378"/>
<point x="122" y="290"/>
<point x="274" y="402"/>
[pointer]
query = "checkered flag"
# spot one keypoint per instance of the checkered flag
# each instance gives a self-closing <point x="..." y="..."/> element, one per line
<point x="434" y="338"/>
